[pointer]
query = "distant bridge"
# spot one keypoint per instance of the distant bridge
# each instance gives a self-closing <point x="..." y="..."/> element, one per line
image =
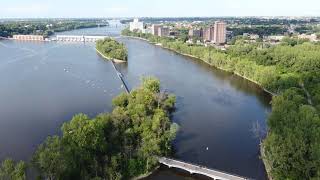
<point x="196" y="169"/>
<point x="75" y="38"/>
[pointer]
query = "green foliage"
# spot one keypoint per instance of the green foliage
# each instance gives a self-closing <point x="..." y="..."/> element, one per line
<point x="151" y="84"/>
<point x="290" y="70"/>
<point x="293" y="41"/>
<point x="9" y="170"/>
<point x="292" y="146"/>
<point x="112" y="49"/>
<point x="265" y="30"/>
<point x="118" y="145"/>
<point x="40" y="27"/>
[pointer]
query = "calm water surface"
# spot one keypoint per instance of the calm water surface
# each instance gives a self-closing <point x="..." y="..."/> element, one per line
<point x="43" y="85"/>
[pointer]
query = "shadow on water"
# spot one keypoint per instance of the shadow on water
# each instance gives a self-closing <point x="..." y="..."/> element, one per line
<point x="165" y="173"/>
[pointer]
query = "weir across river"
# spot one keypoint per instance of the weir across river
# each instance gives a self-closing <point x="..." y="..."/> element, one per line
<point x="74" y="38"/>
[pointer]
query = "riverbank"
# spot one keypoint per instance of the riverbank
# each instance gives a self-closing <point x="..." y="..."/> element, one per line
<point x="265" y="161"/>
<point x="142" y="176"/>
<point x="262" y="156"/>
<point x="101" y="86"/>
<point x="220" y="68"/>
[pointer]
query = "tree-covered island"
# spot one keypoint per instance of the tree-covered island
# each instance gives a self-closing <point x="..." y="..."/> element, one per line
<point x="112" y="50"/>
<point x="119" y="145"/>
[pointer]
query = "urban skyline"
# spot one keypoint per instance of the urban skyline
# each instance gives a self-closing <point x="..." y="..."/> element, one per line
<point x="165" y="8"/>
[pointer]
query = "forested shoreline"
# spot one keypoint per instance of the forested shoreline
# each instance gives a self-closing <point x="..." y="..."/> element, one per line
<point x="44" y="28"/>
<point x="119" y="145"/>
<point x="112" y="49"/>
<point x="290" y="70"/>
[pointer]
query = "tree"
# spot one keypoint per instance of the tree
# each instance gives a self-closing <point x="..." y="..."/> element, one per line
<point x="117" y="145"/>
<point x="9" y="170"/>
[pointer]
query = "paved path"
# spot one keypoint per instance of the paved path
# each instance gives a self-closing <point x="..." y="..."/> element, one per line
<point x="196" y="169"/>
<point x="121" y="78"/>
<point x="307" y="93"/>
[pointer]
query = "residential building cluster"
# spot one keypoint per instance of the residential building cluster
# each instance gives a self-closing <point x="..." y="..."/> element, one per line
<point x="311" y="37"/>
<point x="215" y="33"/>
<point x="155" y="29"/>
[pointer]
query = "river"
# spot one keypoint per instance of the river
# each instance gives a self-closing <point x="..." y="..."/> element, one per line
<point x="43" y="84"/>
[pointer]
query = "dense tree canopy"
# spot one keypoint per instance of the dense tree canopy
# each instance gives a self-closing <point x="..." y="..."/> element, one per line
<point x="112" y="49"/>
<point x="264" y="30"/>
<point x="10" y="170"/>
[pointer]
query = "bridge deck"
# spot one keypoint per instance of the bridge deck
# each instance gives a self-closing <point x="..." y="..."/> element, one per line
<point x="196" y="169"/>
<point x="121" y="78"/>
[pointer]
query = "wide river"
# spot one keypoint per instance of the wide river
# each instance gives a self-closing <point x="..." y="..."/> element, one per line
<point x="43" y="84"/>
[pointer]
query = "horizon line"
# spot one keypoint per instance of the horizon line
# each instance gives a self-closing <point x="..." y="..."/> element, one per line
<point x="130" y="17"/>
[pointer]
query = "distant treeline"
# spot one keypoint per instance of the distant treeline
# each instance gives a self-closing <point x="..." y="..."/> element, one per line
<point x="231" y="20"/>
<point x="291" y="71"/>
<point x="260" y="30"/>
<point x="45" y="28"/>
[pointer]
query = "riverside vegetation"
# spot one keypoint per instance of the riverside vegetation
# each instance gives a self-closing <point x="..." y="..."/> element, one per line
<point x="46" y="27"/>
<point x="119" y="145"/>
<point x="290" y="70"/>
<point x="112" y="49"/>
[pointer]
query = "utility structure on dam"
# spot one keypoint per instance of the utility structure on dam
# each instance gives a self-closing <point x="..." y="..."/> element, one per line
<point x="75" y="38"/>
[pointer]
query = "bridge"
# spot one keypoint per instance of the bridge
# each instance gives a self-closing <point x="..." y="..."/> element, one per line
<point x="196" y="169"/>
<point x="120" y="76"/>
<point x="75" y="38"/>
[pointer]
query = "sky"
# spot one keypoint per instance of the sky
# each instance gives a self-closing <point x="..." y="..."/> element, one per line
<point x="155" y="8"/>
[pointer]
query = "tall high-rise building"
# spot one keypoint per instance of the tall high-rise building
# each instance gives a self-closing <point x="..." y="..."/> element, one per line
<point x="163" y="31"/>
<point x="155" y="29"/>
<point x="208" y="34"/>
<point x="136" y="25"/>
<point x="220" y="31"/>
<point x="196" y="33"/>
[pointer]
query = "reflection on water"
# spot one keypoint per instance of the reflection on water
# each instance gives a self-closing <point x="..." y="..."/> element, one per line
<point x="44" y="84"/>
<point x="215" y="109"/>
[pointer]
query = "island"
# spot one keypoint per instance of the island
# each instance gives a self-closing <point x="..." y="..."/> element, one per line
<point x="122" y="144"/>
<point x="112" y="50"/>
